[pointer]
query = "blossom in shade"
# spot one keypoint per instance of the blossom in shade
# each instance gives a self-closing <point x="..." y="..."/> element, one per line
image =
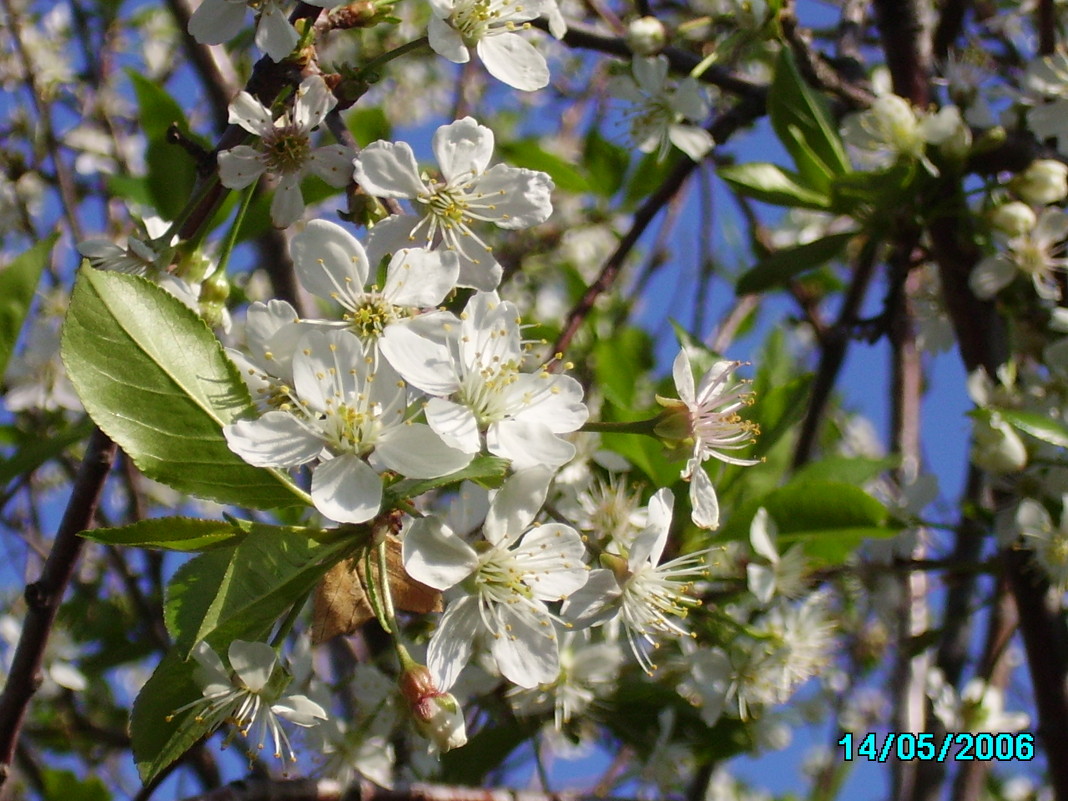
<point x="470" y="191"/>
<point x="284" y="148"/>
<point x="245" y="697"/>
<point x="661" y="116"/>
<point x="218" y="21"/>
<point x="1038" y="253"/>
<point x="503" y="583"/>
<point x="348" y="413"/>
<point x="489" y="27"/>
<point x="480" y="391"/>
<point x="1047" y="541"/>
<point x="707" y="416"/>
<point x="649" y="598"/>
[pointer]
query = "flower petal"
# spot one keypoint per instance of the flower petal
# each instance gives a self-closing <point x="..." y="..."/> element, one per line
<point x="513" y="508"/>
<point x="240" y="166"/>
<point x="526" y="655"/>
<point x="528" y="444"/>
<point x="463" y="149"/>
<point x="454" y="641"/>
<point x="388" y="169"/>
<point x="454" y="423"/>
<point x="314" y="101"/>
<point x="330" y="262"/>
<point x="253" y="662"/>
<point x="513" y="60"/>
<point x="424" y="364"/>
<point x="332" y="163"/>
<point x="275" y="440"/>
<point x="217" y="21"/>
<point x="250" y="114"/>
<point x="287" y="206"/>
<point x="436" y="556"/>
<point x="415" y="451"/>
<point x="524" y="197"/>
<point x="703" y="499"/>
<point x="419" y="277"/>
<point x="346" y="489"/>
<point x="446" y="41"/>
<point x="275" y="36"/>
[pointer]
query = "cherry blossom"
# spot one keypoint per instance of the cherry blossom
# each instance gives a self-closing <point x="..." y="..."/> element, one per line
<point x="479" y="388"/>
<point x="503" y="583"/>
<point x="284" y="148"/>
<point x="470" y="191"/>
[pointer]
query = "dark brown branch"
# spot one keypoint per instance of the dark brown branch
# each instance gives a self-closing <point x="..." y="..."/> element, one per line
<point x="907" y="47"/>
<point x="43" y="597"/>
<point x="329" y="790"/>
<point x="949" y="27"/>
<point x="816" y="69"/>
<point x="1046" y="23"/>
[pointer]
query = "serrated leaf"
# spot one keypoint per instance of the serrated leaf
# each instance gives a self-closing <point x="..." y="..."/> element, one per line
<point x="788" y="263"/>
<point x="831" y="519"/>
<point x="156" y="380"/>
<point x="18" y="282"/>
<point x="239" y="591"/>
<point x="1039" y="426"/>
<point x="772" y="184"/>
<point x="799" y="114"/>
<point x="856" y="470"/>
<point x="170" y="534"/>
<point x="170" y="179"/>
<point x="157" y="741"/>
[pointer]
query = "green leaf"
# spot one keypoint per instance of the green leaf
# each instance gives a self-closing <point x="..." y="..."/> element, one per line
<point x="157" y="741"/>
<point x="170" y="179"/>
<point x="528" y="153"/>
<point x="787" y="263"/>
<point x="157" y="109"/>
<point x="804" y="124"/>
<point x="881" y="189"/>
<point x="156" y="380"/>
<point x="169" y="533"/>
<point x="66" y="785"/>
<point x="772" y="184"/>
<point x="34" y="451"/>
<point x="830" y="518"/>
<point x="18" y="281"/>
<point x="239" y="591"/>
<point x="1038" y="426"/>
<point x="368" y="125"/>
<point x="606" y="163"/>
<point x="619" y="362"/>
<point x="856" y="470"/>
<point x="485" y="470"/>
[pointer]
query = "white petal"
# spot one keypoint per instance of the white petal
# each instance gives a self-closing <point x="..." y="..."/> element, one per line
<point x="564" y="545"/>
<point x="703" y="499"/>
<point x="414" y="450"/>
<point x="391" y="235"/>
<point x="463" y="148"/>
<point x="761" y="581"/>
<point x="418" y="277"/>
<point x="555" y="401"/>
<point x="330" y="262"/>
<point x="596" y="602"/>
<point x="274" y="35"/>
<point x="513" y="60"/>
<point x="240" y="166"/>
<point x="525" y="196"/>
<point x="253" y="662"/>
<point x="249" y="113"/>
<point x="452" y="643"/>
<point x="991" y="275"/>
<point x="287" y="206"/>
<point x="515" y="505"/>
<point x="346" y="490"/>
<point x="436" y="556"/>
<point x="446" y="41"/>
<point x="454" y="423"/>
<point x="761" y="531"/>
<point x="683" y="375"/>
<point x="323" y="368"/>
<point x="528" y="444"/>
<point x="648" y="546"/>
<point x="275" y="440"/>
<point x="651" y="74"/>
<point x="314" y="101"/>
<point x="424" y="364"/>
<point x="693" y="141"/>
<point x="526" y="655"/>
<point x="299" y="710"/>
<point x="690" y="101"/>
<point x="332" y="163"/>
<point x="217" y="21"/>
<point x="388" y="169"/>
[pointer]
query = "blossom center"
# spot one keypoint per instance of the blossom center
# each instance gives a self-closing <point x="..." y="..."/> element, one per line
<point x="286" y="149"/>
<point x="352" y="429"/>
<point x="371" y="315"/>
<point x="475" y="20"/>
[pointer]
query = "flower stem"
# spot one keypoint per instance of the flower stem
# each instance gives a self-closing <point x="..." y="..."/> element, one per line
<point x="631" y="427"/>
<point x="235" y="227"/>
<point x="385" y="58"/>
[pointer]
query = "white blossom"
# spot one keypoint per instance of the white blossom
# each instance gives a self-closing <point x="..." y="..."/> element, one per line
<point x="1047" y="541"/>
<point x="344" y="410"/>
<point x="284" y="148"/>
<point x="489" y="26"/>
<point x="504" y="583"/>
<point x="243" y="696"/>
<point x="1037" y="253"/>
<point x="660" y="116"/>
<point x="708" y="417"/>
<point x="479" y="390"/>
<point x="470" y="191"/>
<point x="218" y="21"/>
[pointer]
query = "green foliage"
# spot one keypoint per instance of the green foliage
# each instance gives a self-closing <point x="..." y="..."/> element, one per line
<point x="606" y="163"/>
<point x="772" y="184"/>
<point x="18" y="281"/>
<point x="368" y="125"/>
<point x="127" y="344"/>
<point x="788" y="263"/>
<point x="489" y="471"/>
<point x="1039" y="426"/>
<point x="66" y="785"/>
<point x="170" y="534"/>
<point x="830" y="518"/>
<point x="239" y="591"/>
<point x="171" y="172"/>
<point x="528" y="153"/>
<point x="32" y="449"/>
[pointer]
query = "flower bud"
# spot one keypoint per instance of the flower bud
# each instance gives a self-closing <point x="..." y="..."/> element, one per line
<point x="646" y="36"/>
<point x="437" y="714"/>
<point x="1013" y="219"/>
<point x="1044" y="181"/>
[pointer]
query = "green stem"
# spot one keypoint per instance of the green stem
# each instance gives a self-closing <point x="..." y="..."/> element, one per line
<point x="632" y="427"/>
<point x="373" y="595"/>
<point x="287" y="624"/>
<point x="385" y="58"/>
<point x="235" y="227"/>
